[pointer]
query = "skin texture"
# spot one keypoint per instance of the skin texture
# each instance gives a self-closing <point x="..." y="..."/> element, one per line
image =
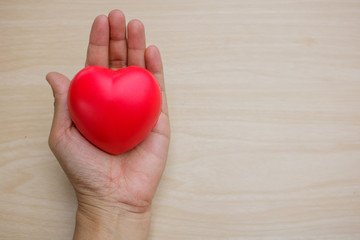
<point x="114" y="192"/>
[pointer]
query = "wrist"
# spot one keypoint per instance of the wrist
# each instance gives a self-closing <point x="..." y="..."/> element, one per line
<point x="111" y="221"/>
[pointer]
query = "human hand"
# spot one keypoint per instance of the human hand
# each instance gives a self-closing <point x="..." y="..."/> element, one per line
<point x="114" y="192"/>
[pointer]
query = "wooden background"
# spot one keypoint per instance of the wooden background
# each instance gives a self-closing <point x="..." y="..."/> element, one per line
<point x="264" y="98"/>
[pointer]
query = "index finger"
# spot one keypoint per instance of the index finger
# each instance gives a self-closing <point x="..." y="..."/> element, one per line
<point x="98" y="49"/>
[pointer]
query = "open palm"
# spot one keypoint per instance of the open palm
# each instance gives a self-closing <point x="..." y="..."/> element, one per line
<point x="129" y="179"/>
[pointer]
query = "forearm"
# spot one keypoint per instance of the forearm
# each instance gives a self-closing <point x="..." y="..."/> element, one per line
<point x="117" y="224"/>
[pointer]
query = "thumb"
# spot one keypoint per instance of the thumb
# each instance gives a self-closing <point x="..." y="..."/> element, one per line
<point x="60" y="86"/>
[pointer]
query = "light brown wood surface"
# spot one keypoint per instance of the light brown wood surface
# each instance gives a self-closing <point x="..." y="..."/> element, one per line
<point x="264" y="99"/>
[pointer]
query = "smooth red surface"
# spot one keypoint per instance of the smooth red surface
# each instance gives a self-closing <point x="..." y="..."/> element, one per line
<point x="114" y="110"/>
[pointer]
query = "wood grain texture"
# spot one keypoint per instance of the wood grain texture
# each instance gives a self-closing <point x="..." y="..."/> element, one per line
<point x="264" y="98"/>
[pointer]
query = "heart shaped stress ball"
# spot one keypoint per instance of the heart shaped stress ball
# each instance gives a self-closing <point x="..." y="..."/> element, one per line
<point x="114" y="110"/>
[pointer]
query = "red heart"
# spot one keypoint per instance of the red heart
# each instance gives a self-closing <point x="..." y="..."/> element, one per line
<point x="114" y="110"/>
